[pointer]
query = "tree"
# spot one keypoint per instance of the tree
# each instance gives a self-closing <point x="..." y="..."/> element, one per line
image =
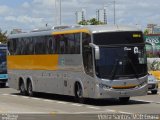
<point x="92" y="21"/>
<point x="146" y="32"/>
<point x="3" y="37"/>
<point x="83" y="22"/>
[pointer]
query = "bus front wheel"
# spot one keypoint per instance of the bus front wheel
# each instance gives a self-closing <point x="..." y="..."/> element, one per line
<point x="79" y="93"/>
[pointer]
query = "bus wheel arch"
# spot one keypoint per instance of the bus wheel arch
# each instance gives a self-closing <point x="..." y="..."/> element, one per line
<point x="30" y="87"/>
<point x="21" y="86"/>
<point x="78" y="92"/>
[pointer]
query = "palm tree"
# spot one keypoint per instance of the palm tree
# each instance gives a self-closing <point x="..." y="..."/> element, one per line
<point x="92" y="21"/>
<point x="3" y="37"/>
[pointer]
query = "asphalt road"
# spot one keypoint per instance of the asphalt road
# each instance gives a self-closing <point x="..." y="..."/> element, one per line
<point x="54" y="107"/>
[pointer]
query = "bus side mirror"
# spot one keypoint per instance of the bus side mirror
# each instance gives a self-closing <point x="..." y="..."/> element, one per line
<point x="96" y="49"/>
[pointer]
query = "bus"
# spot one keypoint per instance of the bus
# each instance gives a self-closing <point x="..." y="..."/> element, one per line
<point x="96" y="62"/>
<point x="3" y="65"/>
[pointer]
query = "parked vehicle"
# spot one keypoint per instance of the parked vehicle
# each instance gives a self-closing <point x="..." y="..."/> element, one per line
<point x="152" y="84"/>
<point x="3" y="65"/>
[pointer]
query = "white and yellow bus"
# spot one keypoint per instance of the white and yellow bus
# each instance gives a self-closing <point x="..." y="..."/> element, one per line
<point x="84" y="61"/>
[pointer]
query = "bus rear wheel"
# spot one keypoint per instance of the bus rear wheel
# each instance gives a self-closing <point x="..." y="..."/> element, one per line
<point x="79" y="93"/>
<point x="30" y="89"/>
<point x="22" y="88"/>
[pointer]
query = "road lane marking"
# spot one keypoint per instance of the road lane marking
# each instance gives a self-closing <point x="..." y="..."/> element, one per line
<point x="5" y="94"/>
<point x="111" y="110"/>
<point x="124" y="112"/>
<point x="36" y="98"/>
<point x="93" y="107"/>
<point x="48" y="100"/>
<point x="75" y="104"/>
<point x="59" y="102"/>
<point x="14" y="95"/>
<point x="25" y="97"/>
<point x="115" y="111"/>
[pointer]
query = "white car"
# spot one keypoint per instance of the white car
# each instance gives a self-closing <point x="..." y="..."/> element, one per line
<point x="152" y="84"/>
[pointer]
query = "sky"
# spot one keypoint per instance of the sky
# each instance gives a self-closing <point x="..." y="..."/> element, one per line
<point x="33" y="14"/>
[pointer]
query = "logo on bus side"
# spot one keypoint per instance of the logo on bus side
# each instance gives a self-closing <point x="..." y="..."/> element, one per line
<point x="136" y="51"/>
<point x="127" y="49"/>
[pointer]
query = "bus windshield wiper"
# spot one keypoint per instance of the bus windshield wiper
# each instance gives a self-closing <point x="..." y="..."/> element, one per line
<point x="113" y="73"/>
<point x="134" y="68"/>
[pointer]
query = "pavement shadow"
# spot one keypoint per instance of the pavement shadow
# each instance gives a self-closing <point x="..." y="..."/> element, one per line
<point x="94" y="102"/>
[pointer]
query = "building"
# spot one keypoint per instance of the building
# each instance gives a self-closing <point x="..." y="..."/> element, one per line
<point x="153" y="29"/>
<point x="80" y="15"/>
<point x="101" y="15"/>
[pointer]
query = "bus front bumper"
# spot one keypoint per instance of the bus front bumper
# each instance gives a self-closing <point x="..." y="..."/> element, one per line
<point x="101" y="93"/>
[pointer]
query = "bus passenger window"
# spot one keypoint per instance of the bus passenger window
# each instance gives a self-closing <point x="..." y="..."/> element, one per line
<point x="50" y="45"/>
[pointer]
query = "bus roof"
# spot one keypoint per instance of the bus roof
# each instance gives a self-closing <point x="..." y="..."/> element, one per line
<point x="76" y="29"/>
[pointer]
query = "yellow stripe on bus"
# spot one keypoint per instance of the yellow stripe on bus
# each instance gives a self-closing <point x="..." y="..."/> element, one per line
<point x="33" y="62"/>
<point x="124" y="87"/>
<point x="71" y="31"/>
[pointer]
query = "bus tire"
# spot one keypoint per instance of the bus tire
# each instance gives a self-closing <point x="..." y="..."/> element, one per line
<point x="22" y="88"/>
<point x="154" y="91"/>
<point x="30" y="89"/>
<point x="3" y="85"/>
<point x="79" y="93"/>
<point x="124" y="100"/>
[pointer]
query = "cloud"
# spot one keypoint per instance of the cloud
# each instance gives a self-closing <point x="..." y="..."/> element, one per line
<point x="44" y="3"/>
<point x="24" y="19"/>
<point x="35" y="13"/>
<point x="4" y="10"/>
<point x="26" y="5"/>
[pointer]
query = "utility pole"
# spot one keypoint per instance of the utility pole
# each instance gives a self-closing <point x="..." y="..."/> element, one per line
<point x="83" y="14"/>
<point x="105" y="16"/>
<point x="97" y="14"/>
<point x="101" y="13"/>
<point x="60" y="14"/>
<point x="114" y="2"/>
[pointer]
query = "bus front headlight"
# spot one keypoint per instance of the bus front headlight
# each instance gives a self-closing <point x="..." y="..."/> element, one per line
<point x="143" y="83"/>
<point x="104" y="86"/>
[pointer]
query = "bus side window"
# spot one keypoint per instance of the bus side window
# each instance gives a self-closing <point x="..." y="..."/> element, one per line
<point x="10" y="47"/>
<point x="77" y="43"/>
<point x="50" y="45"/>
<point x="87" y="54"/>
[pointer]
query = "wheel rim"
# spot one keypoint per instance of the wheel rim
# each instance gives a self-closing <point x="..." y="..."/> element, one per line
<point x="22" y="89"/>
<point x="30" y="89"/>
<point x="79" y="91"/>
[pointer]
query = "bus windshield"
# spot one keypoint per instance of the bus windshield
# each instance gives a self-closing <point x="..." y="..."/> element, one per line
<point x="120" y="62"/>
<point x="121" y="56"/>
<point x="3" y="66"/>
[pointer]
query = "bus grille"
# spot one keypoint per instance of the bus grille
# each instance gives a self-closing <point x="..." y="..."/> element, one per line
<point x="124" y="87"/>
